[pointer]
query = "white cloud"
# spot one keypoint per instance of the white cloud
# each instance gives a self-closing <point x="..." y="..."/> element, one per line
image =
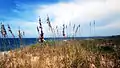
<point x="28" y="27"/>
<point x="113" y="25"/>
<point x="79" y="11"/>
<point x="75" y="11"/>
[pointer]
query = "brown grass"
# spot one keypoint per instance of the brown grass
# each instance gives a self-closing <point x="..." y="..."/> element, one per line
<point x="62" y="54"/>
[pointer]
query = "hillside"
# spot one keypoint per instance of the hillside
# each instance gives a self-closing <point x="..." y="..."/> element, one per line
<point x="97" y="53"/>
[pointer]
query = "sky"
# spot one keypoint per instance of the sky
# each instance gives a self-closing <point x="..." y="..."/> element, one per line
<point x="24" y="15"/>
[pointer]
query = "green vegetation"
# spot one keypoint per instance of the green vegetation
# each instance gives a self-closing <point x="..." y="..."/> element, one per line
<point x="96" y="53"/>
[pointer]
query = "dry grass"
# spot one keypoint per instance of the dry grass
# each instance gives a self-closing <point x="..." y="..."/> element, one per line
<point x="62" y="54"/>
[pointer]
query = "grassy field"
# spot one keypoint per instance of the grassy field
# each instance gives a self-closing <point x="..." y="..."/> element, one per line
<point x="98" y="53"/>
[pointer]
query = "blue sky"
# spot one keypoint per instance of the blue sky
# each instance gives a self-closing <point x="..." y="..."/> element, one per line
<point x="25" y="13"/>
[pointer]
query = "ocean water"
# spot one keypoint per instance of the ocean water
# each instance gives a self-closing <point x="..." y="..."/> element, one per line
<point x="12" y="43"/>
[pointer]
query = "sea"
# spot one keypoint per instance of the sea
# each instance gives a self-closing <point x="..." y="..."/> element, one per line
<point x="7" y="44"/>
<point x="13" y="43"/>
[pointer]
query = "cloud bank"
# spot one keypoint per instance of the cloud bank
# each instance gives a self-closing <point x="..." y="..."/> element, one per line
<point x="106" y="13"/>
